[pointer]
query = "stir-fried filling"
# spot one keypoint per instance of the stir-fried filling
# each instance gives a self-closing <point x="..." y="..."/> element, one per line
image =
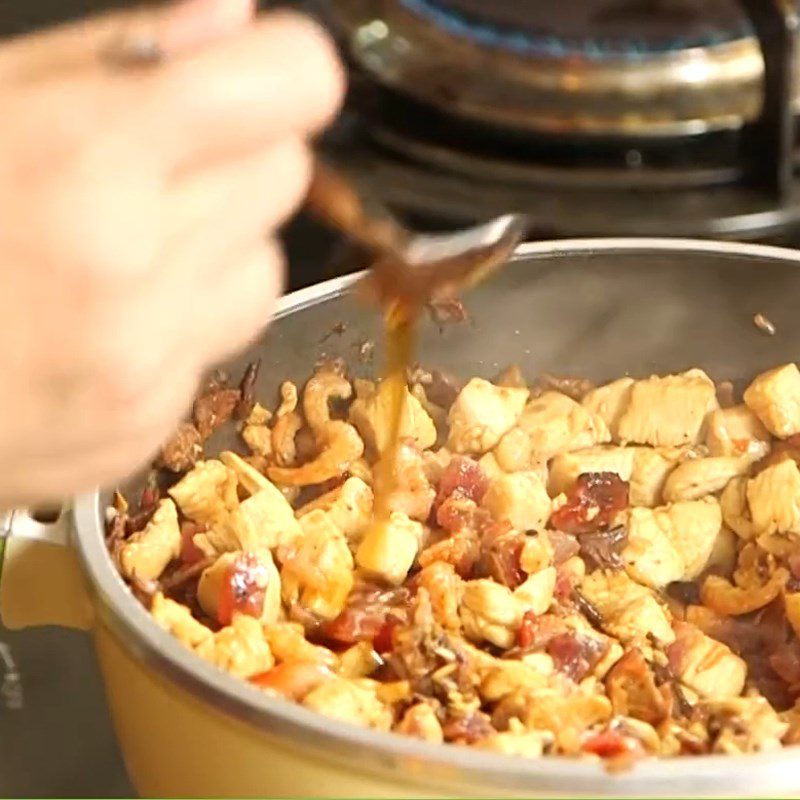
<point x="609" y="572"/>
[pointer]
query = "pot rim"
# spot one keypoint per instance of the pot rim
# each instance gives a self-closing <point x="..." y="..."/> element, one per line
<point x="762" y="774"/>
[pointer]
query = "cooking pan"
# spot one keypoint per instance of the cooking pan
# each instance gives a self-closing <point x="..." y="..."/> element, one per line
<point x="596" y="308"/>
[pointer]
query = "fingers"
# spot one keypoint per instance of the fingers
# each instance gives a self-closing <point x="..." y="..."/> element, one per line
<point x="243" y="300"/>
<point x="177" y="27"/>
<point x="278" y="77"/>
<point x="196" y="23"/>
<point x="227" y="207"/>
<point x="226" y="88"/>
<point x="142" y="399"/>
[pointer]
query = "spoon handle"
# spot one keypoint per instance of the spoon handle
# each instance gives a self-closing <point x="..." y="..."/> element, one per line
<point x="333" y="198"/>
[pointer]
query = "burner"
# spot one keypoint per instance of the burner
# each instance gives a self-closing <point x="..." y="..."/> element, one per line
<point x="590" y="28"/>
<point x="593" y="117"/>
<point x="624" y="68"/>
<point x="677" y="191"/>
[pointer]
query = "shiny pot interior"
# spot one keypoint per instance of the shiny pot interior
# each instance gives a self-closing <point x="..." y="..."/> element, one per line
<point x="598" y="309"/>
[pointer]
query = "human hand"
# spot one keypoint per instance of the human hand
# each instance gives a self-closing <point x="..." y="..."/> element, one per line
<point x="139" y="209"/>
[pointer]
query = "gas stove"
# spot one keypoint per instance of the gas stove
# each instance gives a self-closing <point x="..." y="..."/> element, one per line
<point x="594" y="117"/>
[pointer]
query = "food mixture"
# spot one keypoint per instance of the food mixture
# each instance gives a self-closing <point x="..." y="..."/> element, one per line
<point x="608" y="572"/>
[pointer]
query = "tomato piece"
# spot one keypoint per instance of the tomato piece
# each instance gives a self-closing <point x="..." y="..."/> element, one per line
<point x="366" y="614"/>
<point x="464" y="476"/>
<point x="190" y="553"/>
<point x="611" y="744"/>
<point x="383" y="640"/>
<point x="243" y="589"/>
<point x="526" y="634"/>
<point x="293" y="679"/>
<point x="592" y="503"/>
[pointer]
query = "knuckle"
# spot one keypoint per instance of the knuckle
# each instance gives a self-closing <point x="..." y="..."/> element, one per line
<point x="321" y="66"/>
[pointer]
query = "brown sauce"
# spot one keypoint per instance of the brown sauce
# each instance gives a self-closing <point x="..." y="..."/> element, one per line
<point x="400" y="330"/>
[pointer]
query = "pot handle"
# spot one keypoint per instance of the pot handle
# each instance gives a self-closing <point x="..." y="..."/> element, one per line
<point x="41" y="582"/>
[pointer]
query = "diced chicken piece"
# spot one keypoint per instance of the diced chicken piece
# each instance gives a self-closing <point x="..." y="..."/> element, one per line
<point x="358" y="661"/>
<point x="239" y="576"/>
<point x="371" y="414"/>
<point x="672" y="543"/>
<point x="723" y="556"/>
<point x="650" y="556"/>
<point x="506" y="676"/>
<point x="444" y="587"/>
<point x="735" y="510"/>
<point x="629" y="611"/>
<point x="518" y="741"/>
<point x="251" y="480"/>
<point x="287" y="642"/>
<point x="239" y="648"/>
<point x="350" y="701"/>
<point x="747" y="725"/>
<point x="436" y="413"/>
<point x="698" y="477"/>
<point x="514" y="451"/>
<point x="348" y="507"/>
<point x="566" y="467"/>
<point x="669" y="411"/>
<point x="146" y="554"/>
<point x="649" y="474"/>
<point x="258" y="415"/>
<point x="556" y="424"/>
<point x="490" y="612"/>
<point x="566" y="716"/>
<point x="389" y="547"/>
<point x="490" y="466"/>
<point x="774" y="397"/>
<point x="573" y="571"/>
<point x="272" y="520"/>
<point x="736" y="431"/>
<point x="259" y="439"/>
<point x="421" y="722"/>
<point x="207" y="493"/>
<point x="536" y="553"/>
<point x="694" y="527"/>
<point x="318" y="573"/>
<point x="773" y="497"/>
<point x="705" y="665"/>
<point x="434" y="463"/>
<point x="481" y="414"/>
<point x="536" y="593"/>
<point x="409" y="490"/>
<point x="390" y="692"/>
<point x="176" y="619"/>
<point x="519" y="498"/>
<point x="231" y="532"/>
<point x="632" y="688"/>
<point x="610" y="402"/>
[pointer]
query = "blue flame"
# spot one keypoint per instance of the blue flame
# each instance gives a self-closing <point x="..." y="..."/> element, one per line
<point x="549" y="46"/>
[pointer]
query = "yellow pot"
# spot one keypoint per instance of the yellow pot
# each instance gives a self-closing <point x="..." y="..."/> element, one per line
<point x="188" y="729"/>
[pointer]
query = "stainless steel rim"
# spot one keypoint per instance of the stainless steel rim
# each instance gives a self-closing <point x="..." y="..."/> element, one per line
<point x="445" y="766"/>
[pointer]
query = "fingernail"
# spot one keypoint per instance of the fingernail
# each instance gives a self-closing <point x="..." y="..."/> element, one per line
<point x="150" y="36"/>
<point x="194" y="23"/>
